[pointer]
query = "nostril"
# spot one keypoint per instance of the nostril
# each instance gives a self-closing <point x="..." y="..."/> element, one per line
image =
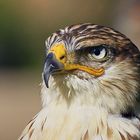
<point x="62" y="57"/>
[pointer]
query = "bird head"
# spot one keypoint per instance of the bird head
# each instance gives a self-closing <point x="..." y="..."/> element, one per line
<point x="91" y="64"/>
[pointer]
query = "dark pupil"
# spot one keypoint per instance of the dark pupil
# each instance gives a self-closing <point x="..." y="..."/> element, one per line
<point x="97" y="51"/>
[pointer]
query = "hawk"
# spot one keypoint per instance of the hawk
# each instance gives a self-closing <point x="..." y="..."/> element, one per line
<point x="90" y="87"/>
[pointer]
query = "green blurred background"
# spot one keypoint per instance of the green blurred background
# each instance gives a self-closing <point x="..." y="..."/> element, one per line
<point x="24" y="27"/>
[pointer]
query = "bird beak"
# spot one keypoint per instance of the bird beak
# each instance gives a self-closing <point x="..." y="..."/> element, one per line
<point x="51" y="66"/>
<point x="56" y="61"/>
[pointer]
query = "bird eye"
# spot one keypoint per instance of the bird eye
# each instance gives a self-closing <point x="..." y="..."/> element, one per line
<point x="98" y="52"/>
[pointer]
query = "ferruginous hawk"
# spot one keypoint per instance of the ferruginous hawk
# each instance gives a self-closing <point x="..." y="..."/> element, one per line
<point x="91" y="82"/>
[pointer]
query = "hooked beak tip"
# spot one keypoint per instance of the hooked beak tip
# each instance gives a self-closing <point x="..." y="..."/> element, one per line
<point x="46" y="79"/>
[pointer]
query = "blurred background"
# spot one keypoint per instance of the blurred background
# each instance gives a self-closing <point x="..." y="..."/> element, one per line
<point x="24" y="26"/>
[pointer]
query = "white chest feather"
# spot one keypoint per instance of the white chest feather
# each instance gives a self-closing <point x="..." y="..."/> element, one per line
<point x="84" y="123"/>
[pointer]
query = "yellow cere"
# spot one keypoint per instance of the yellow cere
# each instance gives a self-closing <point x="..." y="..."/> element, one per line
<point x="60" y="52"/>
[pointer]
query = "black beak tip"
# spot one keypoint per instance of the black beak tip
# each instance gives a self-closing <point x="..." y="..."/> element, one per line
<point x="46" y="80"/>
<point x="47" y="85"/>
